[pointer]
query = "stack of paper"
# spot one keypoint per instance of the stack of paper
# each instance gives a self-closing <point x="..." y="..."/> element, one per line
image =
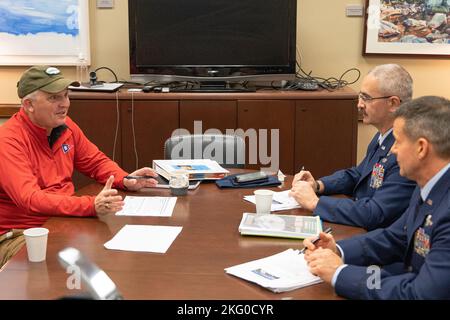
<point x="148" y="206"/>
<point x="198" y="169"/>
<point x="144" y="238"/>
<point x="281" y="272"/>
<point x="280" y="201"/>
<point x="277" y="225"/>
<point x="163" y="183"/>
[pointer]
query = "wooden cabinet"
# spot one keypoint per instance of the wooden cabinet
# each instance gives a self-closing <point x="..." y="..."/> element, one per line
<point x="219" y="115"/>
<point x="100" y="122"/>
<point x="273" y="122"/>
<point x="317" y="130"/>
<point x="325" y="135"/>
<point x="145" y="127"/>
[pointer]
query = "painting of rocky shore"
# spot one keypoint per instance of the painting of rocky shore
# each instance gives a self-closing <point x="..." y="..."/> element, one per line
<point x="414" y="21"/>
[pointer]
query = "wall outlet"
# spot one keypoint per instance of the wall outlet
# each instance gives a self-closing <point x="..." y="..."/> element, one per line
<point x="354" y="10"/>
<point x="105" y="4"/>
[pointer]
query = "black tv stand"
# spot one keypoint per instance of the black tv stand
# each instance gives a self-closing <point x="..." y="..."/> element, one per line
<point x="215" y="86"/>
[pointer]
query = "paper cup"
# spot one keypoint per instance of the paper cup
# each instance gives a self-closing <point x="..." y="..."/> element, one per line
<point x="263" y="199"/>
<point x="36" y="240"/>
<point x="179" y="182"/>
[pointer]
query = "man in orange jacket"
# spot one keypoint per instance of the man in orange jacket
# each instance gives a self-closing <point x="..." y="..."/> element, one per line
<point x="39" y="148"/>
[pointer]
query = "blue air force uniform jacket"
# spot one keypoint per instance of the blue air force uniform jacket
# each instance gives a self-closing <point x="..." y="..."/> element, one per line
<point x="420" y="239"/>
<point x="379" y="194"/>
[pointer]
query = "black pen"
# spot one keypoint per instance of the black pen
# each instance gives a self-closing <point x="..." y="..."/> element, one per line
<point x="140" y="177"/>
<point x="314" y="241"/>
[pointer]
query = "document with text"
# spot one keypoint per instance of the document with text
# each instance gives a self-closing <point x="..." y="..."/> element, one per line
<point x="279" y="225"/>
<point x="148" y="206"/>
<point x="198" y="169"/>
<point x="144" y="238"/>
<point x="281" y="272"/>
<point x="280" y="201"/>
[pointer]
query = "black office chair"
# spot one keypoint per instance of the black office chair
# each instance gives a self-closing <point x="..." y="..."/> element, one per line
<point x="227" y="150"/>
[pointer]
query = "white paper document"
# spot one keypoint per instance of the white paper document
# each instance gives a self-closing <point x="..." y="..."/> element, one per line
<point x="144" y="238"/>
<point x="280" y="201"/>
<point x="198" y="169"/>
<point x="281" y="272"/>
<point x="148" y="206"/>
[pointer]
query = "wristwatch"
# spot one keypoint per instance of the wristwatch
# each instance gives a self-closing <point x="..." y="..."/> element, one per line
<point x="317" y="187"/>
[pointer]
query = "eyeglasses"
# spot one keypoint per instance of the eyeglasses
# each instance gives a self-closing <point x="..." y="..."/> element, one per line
<point x="366" y="98"/>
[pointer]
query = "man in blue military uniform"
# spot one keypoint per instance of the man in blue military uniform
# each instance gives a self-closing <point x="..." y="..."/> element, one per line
<point x="378" y="194"/>
<point x="420" y="238"/>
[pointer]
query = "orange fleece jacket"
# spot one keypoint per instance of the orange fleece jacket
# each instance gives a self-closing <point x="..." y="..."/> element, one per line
<point x="36" y="180"/>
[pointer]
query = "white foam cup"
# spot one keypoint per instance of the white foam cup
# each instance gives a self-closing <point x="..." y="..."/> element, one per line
<point x="36" y="240"/>
<point x="263" y="200"/>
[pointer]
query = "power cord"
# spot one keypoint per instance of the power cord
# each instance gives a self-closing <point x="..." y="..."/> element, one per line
<point x="117" y="126"/>
<point x="306" y="81"/>
<point x="110" y="70"/>
<point x="134" y="132"/>
<point x="329" y="84"/>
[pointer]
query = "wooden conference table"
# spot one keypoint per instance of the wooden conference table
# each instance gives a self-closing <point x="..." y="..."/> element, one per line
<point x="192" y="268"/>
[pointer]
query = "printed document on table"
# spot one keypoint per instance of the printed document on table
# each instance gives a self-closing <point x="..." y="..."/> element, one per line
<point x="279" y="225"/>
<point x="281" y="272"/>
<point x="198" y="169"/>
<point x="144" y="238"/>
<point x="148" y="206"/>
<point x="280" y="201"/>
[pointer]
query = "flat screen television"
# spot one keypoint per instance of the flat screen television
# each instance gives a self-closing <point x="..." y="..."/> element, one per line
<point x="212" y="40"/>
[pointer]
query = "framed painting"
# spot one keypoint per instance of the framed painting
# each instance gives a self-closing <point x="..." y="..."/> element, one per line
<point x="407" y="27"/>
<point x="34" y="32"/>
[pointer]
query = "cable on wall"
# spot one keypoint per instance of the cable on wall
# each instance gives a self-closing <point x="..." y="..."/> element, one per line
<point x="134" y="133"/>
<point x="117" y="126"/>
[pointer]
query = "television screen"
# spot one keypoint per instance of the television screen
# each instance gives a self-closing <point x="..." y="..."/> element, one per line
<point x="212" y="39"/>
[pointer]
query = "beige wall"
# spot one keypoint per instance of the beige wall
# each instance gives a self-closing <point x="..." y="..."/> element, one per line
<point x="329" y="43"/>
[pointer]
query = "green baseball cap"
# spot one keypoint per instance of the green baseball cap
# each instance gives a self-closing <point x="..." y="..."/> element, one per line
<point x="45" y="78"/>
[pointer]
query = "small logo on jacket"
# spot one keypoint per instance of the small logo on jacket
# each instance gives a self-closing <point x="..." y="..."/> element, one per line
<point x="65" y="148"/>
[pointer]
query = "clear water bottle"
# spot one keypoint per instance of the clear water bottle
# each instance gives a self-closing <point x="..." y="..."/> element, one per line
<point x="82" y="70"/>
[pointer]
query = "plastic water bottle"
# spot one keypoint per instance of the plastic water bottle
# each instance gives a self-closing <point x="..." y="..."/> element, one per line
<point x="82" y="70"/>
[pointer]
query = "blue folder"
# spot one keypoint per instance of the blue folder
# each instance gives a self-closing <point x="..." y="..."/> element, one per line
<point x="230" y="182"/>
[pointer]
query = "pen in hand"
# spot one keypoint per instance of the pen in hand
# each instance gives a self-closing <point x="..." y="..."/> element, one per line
<point x="315" y="240"/>
<point x="140" y="177"/>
